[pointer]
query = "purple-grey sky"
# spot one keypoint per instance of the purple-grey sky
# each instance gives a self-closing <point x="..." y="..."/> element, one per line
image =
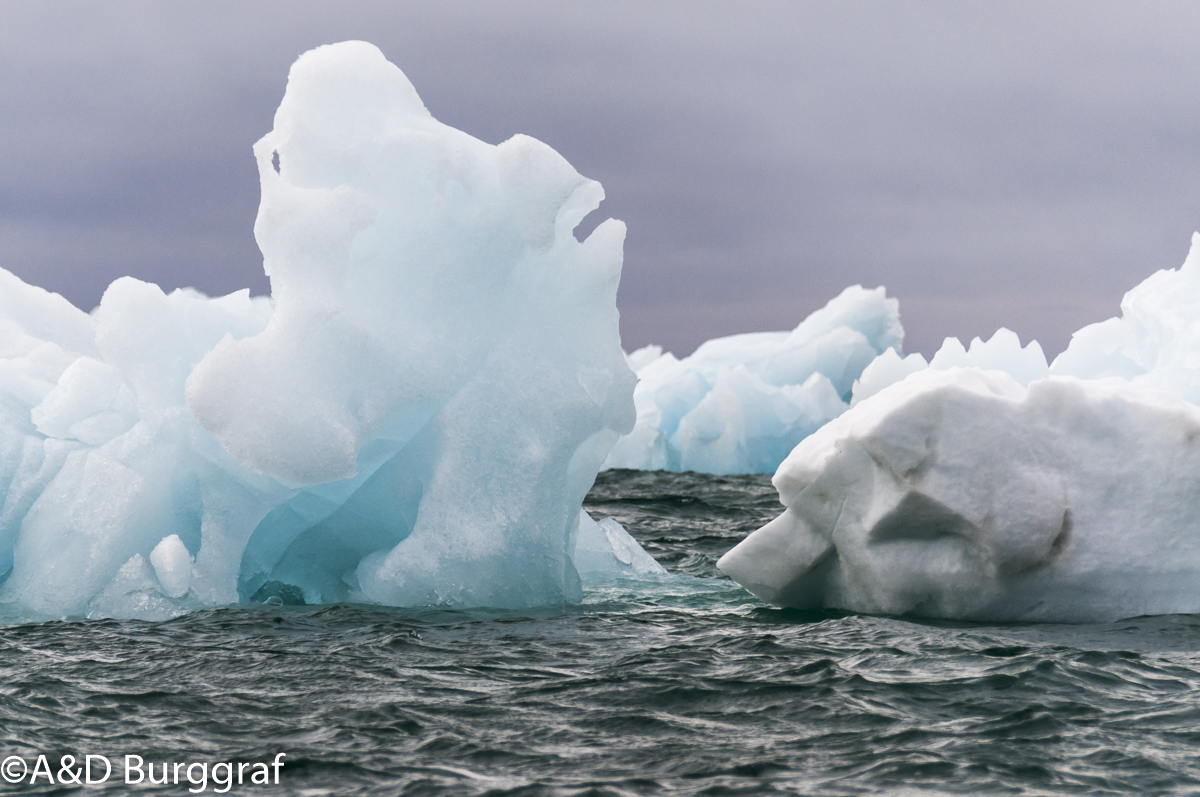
<point x="1006" y="163"/>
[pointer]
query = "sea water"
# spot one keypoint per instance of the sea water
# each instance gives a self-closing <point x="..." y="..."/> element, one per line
<point x="679" y="685"/>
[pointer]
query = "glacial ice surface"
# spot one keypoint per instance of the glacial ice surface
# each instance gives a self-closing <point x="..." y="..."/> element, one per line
<point x="412" y="418"/>
<point x="987" y="485"/>
<point x="739" y="404"/>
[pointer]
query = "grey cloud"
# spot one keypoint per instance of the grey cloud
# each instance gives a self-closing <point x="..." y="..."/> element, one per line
<point x="1011" y="163"/>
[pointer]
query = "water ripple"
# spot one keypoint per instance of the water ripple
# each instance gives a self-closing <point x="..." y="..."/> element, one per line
<point x="681" y="686"/>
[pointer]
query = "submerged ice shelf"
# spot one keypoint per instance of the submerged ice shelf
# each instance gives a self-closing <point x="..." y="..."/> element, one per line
<point x="413" y="417"/>
<point x="986" y="484"/>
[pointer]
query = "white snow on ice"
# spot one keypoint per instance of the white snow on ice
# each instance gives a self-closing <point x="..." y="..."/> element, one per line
<point x="986" y="485"/>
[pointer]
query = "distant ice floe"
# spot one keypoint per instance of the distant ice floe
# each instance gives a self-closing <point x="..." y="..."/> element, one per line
<point x="412" y="418"/>
<point x="739" y="404"/>
<point x="985" y="485"/>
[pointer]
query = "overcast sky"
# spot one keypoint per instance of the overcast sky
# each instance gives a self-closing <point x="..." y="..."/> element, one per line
<point x="993" y="164"/>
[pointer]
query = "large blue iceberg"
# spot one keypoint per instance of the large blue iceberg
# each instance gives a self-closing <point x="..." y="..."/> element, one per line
<point x="413" y="417"/>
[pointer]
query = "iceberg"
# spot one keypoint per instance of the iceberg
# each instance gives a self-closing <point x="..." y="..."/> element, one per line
<point x="412" y="418"/>
<point x="1002" y="352"/>
<point x="1155" y="342"/>
<point x="739" y="404"/>
<point x="605" y="551"/>
<point x="985" y="485"/>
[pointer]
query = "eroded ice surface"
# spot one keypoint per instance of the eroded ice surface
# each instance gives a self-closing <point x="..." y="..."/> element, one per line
<point x="986" y="485"/>
<point x="961" y="494"/>
<point x="414" y="417"/>
<point x="739" y="404"/>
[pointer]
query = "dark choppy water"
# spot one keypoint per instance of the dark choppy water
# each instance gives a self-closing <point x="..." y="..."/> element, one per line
<point x="687" y="686"/>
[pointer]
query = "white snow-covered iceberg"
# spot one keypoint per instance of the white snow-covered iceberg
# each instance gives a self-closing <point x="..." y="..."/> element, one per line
<point x="1155" y="342"/>
<point x="1002" y="352"/>
<point x="413" y="417"/>
<point x="739" y="404"/>
<point x="986" y="485"/>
